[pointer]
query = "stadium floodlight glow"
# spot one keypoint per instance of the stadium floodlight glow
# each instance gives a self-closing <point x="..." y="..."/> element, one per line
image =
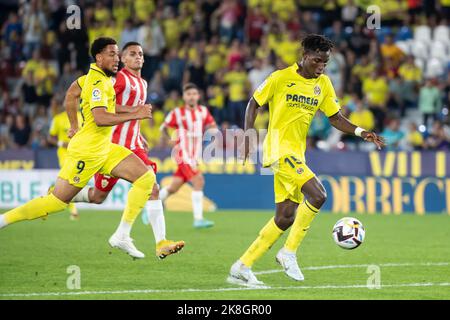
<point x="422" y="128"/>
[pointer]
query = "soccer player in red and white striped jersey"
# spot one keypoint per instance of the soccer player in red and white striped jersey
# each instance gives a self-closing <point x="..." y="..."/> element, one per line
<point x="190" y="120"/>
<point x="131" y="92"/>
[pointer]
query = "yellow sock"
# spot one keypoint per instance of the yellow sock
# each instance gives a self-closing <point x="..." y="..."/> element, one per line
<point x="138" y="196"/>
<point x="35" y="208"/>
<point x="73" y="208"/>
<point x="305" y="215"/>
<point x="267" y="237"/>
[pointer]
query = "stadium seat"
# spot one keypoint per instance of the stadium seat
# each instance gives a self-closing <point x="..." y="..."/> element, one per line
<point x="434" y="68"/>
<point x="404" y="46"/>
<point x="405" y="33"/>
<point x="422" y="33"/>
<point x="419" y="49"/>
<point x="439" y="50"/>
<point x="420" y="63"/>
<point x="442" y="33"/>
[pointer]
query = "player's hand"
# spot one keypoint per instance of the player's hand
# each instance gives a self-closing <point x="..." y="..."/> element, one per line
<point x="72" y="132"/>
<point x="374" y="138"/>
<point x="248" y="146"/>
<point x="145" y="111"/>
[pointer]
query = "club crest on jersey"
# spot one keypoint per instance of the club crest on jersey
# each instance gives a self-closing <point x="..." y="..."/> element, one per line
<point x="96" y="95"/>
<point x="300" y="170"/>
<point x="104" y="183"/>
<point x="317" y="90"/>
<point x="76" y="179"/>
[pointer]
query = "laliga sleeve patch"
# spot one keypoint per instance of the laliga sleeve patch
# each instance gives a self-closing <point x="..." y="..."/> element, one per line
<point x="96" y="95"/>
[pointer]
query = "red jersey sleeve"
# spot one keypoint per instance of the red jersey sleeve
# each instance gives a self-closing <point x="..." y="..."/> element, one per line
<point x="119" y="84"/>
<point x="208" y="119"/>
<point x="171" y="120"/>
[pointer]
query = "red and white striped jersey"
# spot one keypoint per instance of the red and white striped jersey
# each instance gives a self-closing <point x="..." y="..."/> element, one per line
<point x="130" y="91"/>
<point x="190" y="124"/>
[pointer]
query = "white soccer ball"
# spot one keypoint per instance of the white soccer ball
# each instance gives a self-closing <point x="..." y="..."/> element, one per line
<point x="348" y="233"/>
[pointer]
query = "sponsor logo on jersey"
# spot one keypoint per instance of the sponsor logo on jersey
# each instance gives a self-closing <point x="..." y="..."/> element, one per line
<point x="96" y="95"/>
<point x="291" y="84"/>
<point x="317" y="90"/>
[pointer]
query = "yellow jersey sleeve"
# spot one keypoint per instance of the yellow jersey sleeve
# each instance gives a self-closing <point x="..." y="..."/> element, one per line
<point x="264" y="93"/>
<point x="97" y="93"/>
<point x="329" y="105"/>
<point x="80" y="81"/>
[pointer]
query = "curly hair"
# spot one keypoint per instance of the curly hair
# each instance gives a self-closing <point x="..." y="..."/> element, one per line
<point x="316" y="42"/>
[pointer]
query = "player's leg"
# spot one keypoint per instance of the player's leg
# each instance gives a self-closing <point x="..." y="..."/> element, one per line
<point x="198" y="184"/>
<point x="62" y="154"/>
<point x="39" y="207"/>
<point x="174" y="186"/>
<point x="315" y="197"/>
<point x="126" y="165"/>
<point x="97" y="194"/>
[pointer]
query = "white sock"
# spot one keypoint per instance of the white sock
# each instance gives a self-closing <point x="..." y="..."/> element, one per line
<point x="2" y="221"/>
<point x="82" y="196"/>
<point x="197" y="204"/>
<point x="163" y="194"/>
<point x="155" y="214"/>
<point x="123" y="230"/>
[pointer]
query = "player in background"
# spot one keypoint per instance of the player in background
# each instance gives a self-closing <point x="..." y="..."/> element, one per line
<point x="294" y="95"/>
<point x="58" y="136"/>
<point x="90" y="151"/>
<point x="190" y="120"/>
<point x="131" y="91"/>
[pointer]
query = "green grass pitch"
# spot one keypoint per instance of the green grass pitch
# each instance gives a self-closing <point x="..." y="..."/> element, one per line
<point x="412" y="253"/>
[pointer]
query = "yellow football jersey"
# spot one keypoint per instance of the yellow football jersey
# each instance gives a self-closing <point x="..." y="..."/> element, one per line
<point x="61" y="125"/>
<point x="293" y="101"/>
<point x="97" y="91"/>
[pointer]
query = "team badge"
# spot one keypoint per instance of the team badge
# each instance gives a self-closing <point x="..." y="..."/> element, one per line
<point x="317" y="90"/>
<point x="300" y="170"/>
<point x="104" y="183"/>
<point x="76" y="179"/>
<point x="96" y="95"/>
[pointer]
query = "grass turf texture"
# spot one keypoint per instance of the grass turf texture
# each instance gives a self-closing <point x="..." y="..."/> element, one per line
<point x="34" y="257"/>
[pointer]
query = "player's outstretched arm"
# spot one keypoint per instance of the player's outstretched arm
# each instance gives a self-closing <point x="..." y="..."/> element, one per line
<point x="343" y="124"/>
<point x="104" y="118"/>
<point x="250" y="116"/>
<point x="71" y="104"/>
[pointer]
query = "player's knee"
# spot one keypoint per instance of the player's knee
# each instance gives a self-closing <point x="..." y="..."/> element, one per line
<point x="98" y="197"/>
<point x="155" y="192"/>
<point x="284" y="222"/>
<point x="199" y="183"/>
<point x="318" y="199"/>
<point x="146" y="181"/>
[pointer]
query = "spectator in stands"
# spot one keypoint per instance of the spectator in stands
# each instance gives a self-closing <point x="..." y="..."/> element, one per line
<point x="415" y="139"/>
<point x="29" y="96"/>
<point x="377" y="92"/>
<point x="20" y="131"/>
<point x="151" y="37"/>
<point x="260" y="71"/>
<point x="129" y="33"/>
<point x="438" y="139"/>
<point x="389" y="50"/>
<point x="393" y="135"/>
<point x="238" y="88"/>
<point x="430" y="102"/>
<point x="35" y="26"/>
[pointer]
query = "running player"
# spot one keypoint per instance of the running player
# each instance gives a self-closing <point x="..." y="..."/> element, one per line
<point x="90" y="151"/>
<point x="191" y="121"/>
<point x="293" y="95"/>
<point x="131" y="91"/>
<point x="58" y="136"/>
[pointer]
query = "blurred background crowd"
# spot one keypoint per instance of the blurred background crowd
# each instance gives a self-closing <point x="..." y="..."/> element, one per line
<point x="394" y="79"/>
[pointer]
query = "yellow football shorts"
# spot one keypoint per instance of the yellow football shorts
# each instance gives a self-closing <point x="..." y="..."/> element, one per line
<point x="78" y="170"/>
<point x="290" y="174"/>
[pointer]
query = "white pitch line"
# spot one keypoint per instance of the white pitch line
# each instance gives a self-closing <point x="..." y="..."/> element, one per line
<point x="347" y="266"/>
<point x="144" y="291"/>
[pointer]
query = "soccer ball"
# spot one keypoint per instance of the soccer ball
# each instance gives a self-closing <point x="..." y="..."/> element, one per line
<point x="348" y="233"/>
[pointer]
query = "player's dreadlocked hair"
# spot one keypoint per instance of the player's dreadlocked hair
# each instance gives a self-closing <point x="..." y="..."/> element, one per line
<point x="316" y="42"/>
<point x="100" y="44"/>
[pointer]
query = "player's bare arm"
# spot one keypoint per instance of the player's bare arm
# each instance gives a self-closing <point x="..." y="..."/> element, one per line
<point x="343" y="124"/>
<point x="250" y="116"/>
<point x="104" y="118"/>
<point x="71" y="101"/>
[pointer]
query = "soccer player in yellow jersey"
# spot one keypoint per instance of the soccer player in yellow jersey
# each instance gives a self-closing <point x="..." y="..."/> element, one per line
<point x="58" y="135"/>
<point x="293" y="95"/>
<point x="90" y="151"/>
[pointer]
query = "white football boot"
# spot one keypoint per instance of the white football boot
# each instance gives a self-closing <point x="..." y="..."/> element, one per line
<point x="125" y="244"/>
<point x="242" y="275"/>
<point x="289" y="263"/>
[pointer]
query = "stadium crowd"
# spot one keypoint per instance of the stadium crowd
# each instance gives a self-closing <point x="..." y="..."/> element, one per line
<point x="394" y="79"/>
